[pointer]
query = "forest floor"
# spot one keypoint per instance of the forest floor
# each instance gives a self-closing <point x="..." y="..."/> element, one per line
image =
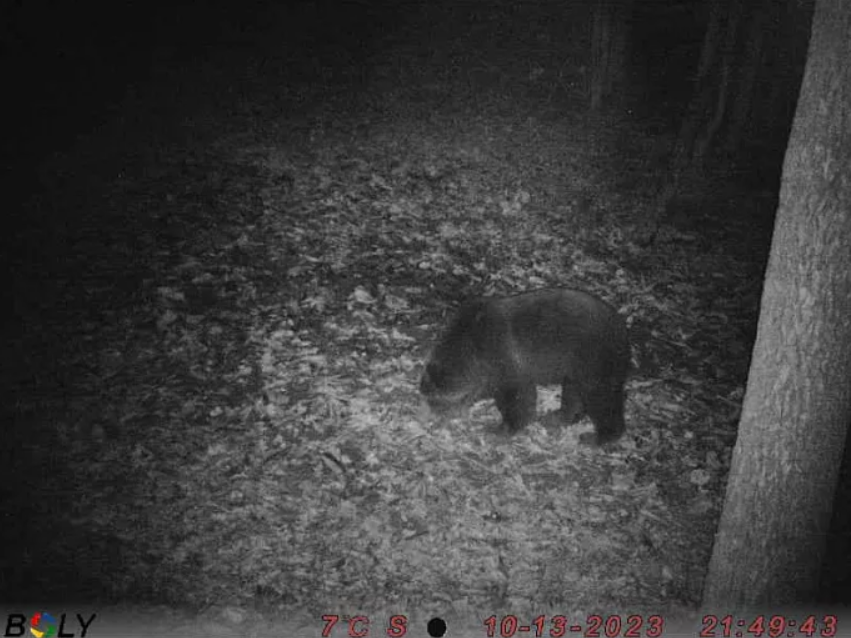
<point x="216" y="399"/>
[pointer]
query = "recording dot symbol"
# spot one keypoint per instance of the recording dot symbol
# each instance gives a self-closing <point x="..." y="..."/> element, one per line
<point x="436" y="628"/>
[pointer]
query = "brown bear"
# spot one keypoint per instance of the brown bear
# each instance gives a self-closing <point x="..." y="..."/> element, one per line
<point x="503" y="347"/>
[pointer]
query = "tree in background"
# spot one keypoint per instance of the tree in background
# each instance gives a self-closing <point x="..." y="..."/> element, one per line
<point x="797" y="406"/>
<point x="608" y="48"/>
<point x="743" y="94"/>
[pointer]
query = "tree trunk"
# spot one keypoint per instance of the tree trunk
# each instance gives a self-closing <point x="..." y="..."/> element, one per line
<point x="608" y="49"/>
<point x="797" y="407"/>
<point x="722" y="86"/>
<point x="744" y="88"/>
<point x="600" y="46"/>
<point x="696" y="115"/>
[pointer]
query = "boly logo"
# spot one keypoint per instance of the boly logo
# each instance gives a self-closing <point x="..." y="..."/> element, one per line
<point x="42" y="625"/>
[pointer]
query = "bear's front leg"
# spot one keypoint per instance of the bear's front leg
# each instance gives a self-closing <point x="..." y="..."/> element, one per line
<point x="516" y="404"/>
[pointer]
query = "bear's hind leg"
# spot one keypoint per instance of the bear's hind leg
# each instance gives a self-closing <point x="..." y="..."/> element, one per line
<point x="604" y="405"/>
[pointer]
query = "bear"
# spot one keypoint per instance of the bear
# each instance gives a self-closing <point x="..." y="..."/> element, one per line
<point x="503" y="347"/>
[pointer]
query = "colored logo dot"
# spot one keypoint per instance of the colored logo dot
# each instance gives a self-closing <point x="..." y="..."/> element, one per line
<point x="42" y="625"/>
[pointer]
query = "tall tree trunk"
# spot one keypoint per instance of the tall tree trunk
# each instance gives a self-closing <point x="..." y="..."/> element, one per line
<point x="797" y="407"/>
<point x="600" y="37"/>
<point x="705" y="85"/>
<point x="742" y="99"/>
<point x="721" y="86"/>
<point x="608" y="49"/>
